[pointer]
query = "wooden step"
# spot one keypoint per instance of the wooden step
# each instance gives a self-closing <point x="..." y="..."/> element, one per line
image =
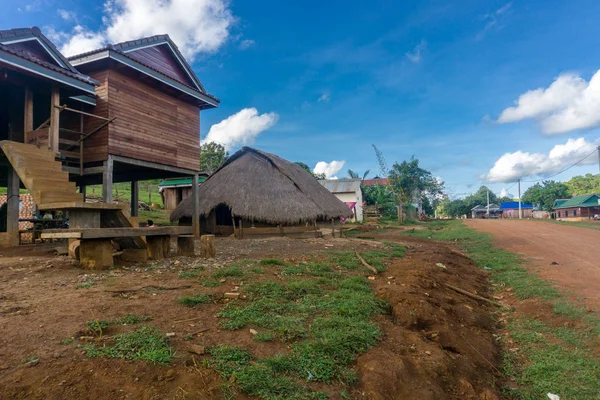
<point x="77" y="205"/>
<point x="54" y="197"/>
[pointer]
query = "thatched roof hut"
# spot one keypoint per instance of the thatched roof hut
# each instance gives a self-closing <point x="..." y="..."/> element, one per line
<point x="263" y="187"/>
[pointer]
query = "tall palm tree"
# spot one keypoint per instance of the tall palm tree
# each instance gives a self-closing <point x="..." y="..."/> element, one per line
<point x="355" y="175"/>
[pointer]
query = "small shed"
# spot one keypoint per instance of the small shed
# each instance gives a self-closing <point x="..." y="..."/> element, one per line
<point x="255" y="192"/>
<point x="510" y="210"/>
<point x="578" y="208"/>
<point x="480" y="211"/>
<point x="174" y="191"/>
<point x="349" y="191"/>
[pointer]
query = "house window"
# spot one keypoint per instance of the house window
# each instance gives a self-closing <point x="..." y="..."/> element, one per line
<point x="574" y="213"/>
<point x="559" y="214"/>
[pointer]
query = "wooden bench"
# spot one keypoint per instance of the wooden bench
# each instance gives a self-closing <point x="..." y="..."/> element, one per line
<point x="95" y="250"/>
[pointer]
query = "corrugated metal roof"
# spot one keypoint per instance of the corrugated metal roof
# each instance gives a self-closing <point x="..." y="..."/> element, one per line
<point x="376" y="181"/>
<point x="493" y="207"/>
<point x="180" y="182"/>
<point x="341" y="185"/>
<point x="508" y="205"/>
<point x="586" y="200"/>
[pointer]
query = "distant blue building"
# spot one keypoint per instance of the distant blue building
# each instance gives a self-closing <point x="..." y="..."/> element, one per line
<point x="510" y="209"/>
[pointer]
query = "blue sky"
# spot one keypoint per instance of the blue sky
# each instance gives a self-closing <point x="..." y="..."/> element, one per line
<point x="428" y="79"/>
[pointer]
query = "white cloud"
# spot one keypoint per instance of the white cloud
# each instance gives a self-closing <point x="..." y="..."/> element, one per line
<point x="568" y="104"/>
<point x="329" y="169"/>
<point x="541" y="102"/>
<point x="67" y="15"/>
<point x="494" y="20"/>
<point x="504" y="193"/>
<point x="512" y="166"/>
<point x="246" y="44"/>
<point x="325" y="97"/>
<point x="196" y="26"/>
<point x="415" y="54"/>
<point x="241" y="128"/>
<point x="80" y="41"/>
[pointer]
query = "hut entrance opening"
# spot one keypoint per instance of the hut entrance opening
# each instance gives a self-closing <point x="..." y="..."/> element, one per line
<point x="223" y="215"/>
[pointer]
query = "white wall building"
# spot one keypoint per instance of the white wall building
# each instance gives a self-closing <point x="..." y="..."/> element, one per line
<point x="348" y="191"/>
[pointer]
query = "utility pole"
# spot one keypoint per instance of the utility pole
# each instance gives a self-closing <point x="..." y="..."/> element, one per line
<point x="488" y="200"/>
<point x="598" y="157"/>
<point x="520" y="211"/>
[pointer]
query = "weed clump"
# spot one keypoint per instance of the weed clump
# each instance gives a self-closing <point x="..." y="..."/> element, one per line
<point x="147" y="343"/>
<point x="191" y="301"/>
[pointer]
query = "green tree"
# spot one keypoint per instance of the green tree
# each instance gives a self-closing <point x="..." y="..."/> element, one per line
<point x="480" y="198"/>
<point x="409" y="181"/>
<point x="453" y="208"/>
<point x="378" y="194"/>
<point x="584" y="184"/>
<point x="544" y="194"/>
<point x="212" y="156"/>
<point x="310" y="171"/>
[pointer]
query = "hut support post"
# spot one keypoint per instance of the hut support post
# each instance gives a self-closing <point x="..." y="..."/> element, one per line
<point x="315" y="226"/>
<point x="234" y="232"/>
<point x="12" y="211"/>
<point x="107" y="180"/>
<point x="135" y="198"/>
<point x="82" y="190"/>
<point x="196" y="210"/>
<point x="54" y="120"/>
<point x="332" y="228"/>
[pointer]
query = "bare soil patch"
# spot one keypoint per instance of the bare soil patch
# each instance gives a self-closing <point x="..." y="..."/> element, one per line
<point x="436" y="343"/>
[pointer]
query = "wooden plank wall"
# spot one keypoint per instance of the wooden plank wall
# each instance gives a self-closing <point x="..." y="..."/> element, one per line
<point x="152" y="125"/>
<point x="96" y="146"/>
<point x="160" y="59"/>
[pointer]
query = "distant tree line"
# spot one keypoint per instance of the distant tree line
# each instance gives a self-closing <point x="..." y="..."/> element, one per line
<point x="541" y="194"/>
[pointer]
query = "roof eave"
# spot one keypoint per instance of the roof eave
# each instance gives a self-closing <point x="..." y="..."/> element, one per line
<point x="47" y="73"/>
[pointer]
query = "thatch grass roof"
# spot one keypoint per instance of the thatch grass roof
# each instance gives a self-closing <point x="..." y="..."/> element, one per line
<point x="264" y="187"/>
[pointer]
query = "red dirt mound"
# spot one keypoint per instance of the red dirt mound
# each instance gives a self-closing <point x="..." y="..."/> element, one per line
<point x="438" y="344"/>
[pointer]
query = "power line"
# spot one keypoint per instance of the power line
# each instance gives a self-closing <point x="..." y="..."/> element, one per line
<point x="564" y="170"/>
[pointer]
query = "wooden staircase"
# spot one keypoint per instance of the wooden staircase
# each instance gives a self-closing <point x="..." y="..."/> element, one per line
<point x="41" y="174"/>
<point x="51" y="189"/>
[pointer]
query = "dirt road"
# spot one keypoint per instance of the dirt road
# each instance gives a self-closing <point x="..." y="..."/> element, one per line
<point x="576" y="250"/>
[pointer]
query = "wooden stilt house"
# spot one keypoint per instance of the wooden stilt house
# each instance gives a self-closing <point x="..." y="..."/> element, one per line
<point x="123" y="113"/>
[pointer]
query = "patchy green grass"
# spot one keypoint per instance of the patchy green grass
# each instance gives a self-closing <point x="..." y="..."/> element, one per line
<point x="264" y="337"/>
<point x="86" y="285"/>
<point x="191" y="274"/>
<point x="318" y="308"/>
<point x="98" y="326"/>
<point x="560" y="360"/>
<point x="146" y="343"/>
<point x="335" y="323"/>
<point x="67" y="341"/>
<point x="192" y="301"/>
<point x="232" y="271"/>
<point x="545" y="358"/>
<point x="132" y="319"/>
<point x="210" y="282"/>
<point x="257" y="379"/>
<point x="159" y="217"/>
<point x="581" y="224"/>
